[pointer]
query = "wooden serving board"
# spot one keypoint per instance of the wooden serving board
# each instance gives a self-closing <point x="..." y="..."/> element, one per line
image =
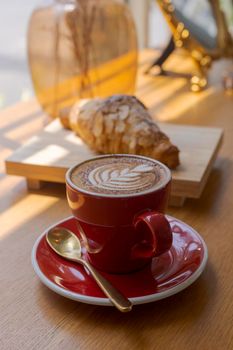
<point x="47" y="156"/>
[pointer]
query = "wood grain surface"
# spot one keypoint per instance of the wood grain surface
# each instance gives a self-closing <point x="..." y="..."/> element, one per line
<point x="201" y="317"/>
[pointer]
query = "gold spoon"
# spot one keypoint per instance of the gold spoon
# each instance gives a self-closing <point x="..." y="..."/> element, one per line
<point x="66" y="244"/>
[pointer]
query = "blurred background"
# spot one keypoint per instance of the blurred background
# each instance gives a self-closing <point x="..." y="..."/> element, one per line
<point x="15" y="82"/>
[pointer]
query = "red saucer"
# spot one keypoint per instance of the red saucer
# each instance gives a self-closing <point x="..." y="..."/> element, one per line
<point x="167" y="275"/>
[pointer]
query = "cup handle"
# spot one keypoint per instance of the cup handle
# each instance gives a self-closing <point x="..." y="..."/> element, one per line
<point x="157" y="235"/>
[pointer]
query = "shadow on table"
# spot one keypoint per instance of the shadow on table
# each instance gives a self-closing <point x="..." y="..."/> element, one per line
<point x="218" y="184"/>
<point x="213" y="196"/>
<point x="51" y="189"/>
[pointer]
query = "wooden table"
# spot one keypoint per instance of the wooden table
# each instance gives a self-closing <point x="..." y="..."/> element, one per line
<point x="201" y="317"/>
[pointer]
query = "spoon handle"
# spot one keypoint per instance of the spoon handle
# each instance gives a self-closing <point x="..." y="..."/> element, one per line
<point x="119" y="301"/>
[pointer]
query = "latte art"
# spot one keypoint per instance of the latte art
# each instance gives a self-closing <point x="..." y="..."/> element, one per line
<point x="119" y="175"/>
<point x="123" y="178"/>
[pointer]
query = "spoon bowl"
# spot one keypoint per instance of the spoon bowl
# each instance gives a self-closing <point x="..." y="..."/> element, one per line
<point x="66" y="244"/>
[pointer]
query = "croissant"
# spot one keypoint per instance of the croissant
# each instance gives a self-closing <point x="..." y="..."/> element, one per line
<point x="121" y="124"/>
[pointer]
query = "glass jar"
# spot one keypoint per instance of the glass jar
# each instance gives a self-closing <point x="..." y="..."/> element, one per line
<point x="81" y="49"/>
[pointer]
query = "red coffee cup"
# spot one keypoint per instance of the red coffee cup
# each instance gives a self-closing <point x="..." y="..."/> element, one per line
<point x="122" y="233"/>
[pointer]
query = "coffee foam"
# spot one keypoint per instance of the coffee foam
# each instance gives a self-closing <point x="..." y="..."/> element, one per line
<point x="118" y="175"/>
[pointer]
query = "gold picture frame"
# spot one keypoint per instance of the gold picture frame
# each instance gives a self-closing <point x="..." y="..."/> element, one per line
<point x="201" y="55"/>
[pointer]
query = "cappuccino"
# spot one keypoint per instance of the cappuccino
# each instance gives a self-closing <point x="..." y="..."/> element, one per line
<point x="119" y="175"/>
